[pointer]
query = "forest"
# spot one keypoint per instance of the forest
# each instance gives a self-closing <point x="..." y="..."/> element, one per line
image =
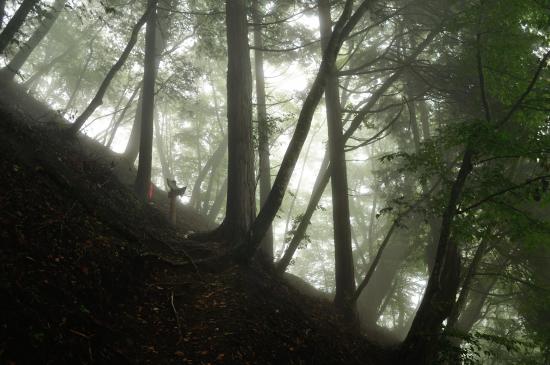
<point x="275" y="182"/>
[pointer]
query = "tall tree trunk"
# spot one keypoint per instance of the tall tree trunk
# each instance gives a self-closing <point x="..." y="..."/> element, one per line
<point x="241" y="206"/>
<point x="324" y="175"/>
<point x="343" y="251"/>
<point x="161" y="37"/>
<point x="264" y="220"/>
<point x="266" y="247"/>
<point x="28" y="47"/>
<point x="98" y="98"/>
<point x="143" y="176"/>
<point x="440" y="294"/>
<point x="15" y="23"/>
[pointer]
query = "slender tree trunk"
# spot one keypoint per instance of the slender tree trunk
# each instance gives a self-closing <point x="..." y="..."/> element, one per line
<point x="215" y="166"/>
<point x="15" y="23"/>
<point x="241" y="206"/>
<point x="463" y="296"/>
<point x="264" y="220"/>
<point x="343" y="261"/>
<point x="98" y="98"/>
<point x="411" y="106"/>
<point x="266" y="247"/>
<point x="378" y="284"/>
<point x="161" y="36"/>
<point x="83" y="71"/>
<point x="143" y="176"/>
<point x="210" y="164"/>
<point x="28" y="47"/>
<point x="318" y="188"/>
<point x="472" y="312"/>
<point x="371" y="227"/>
<point x="440" y="294"/>
<point x="469" y="315"/>
<point x="109" y="130"/>
<point x="132" y="148"/>
<point x="293" y="201"/>
<point x="218" y="202"/>
<point x="122" y="115"/>
<point x="424" y="120"/>
<point x="358" y="251"/>
<point x="161" y="151"/>
<point x="324" y="175"/>
<point x="422" y="109"/>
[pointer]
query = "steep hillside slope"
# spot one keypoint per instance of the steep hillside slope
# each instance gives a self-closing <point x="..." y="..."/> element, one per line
<point x="89" y="275"/>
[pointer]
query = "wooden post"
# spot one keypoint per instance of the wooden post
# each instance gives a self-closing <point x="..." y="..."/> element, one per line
<point x="173" y="194"/>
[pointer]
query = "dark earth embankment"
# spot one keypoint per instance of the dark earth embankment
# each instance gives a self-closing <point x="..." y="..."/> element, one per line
<point x="88" y="275"/>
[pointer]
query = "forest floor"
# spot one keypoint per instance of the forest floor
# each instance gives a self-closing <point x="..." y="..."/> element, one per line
<point x="89" y="275"/>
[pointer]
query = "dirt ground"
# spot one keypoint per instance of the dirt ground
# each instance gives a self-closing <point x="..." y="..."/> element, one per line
<point x="89" y="275"/>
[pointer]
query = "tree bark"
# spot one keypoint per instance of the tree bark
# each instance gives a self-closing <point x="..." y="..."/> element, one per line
<point x="436" y="305"/>
<point x="98" y="98"/>
<point x="266" y="247"/>
<point x="343" y="260"/>
<point x="324" y="175"/>
<point x="264" y="220"/>
<point x="241" y="206"/>
<point x="143" y="176"/>
<point x="132" y="147"/>
<point x="14" y="66"/>
<point x="15" y="23"/>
